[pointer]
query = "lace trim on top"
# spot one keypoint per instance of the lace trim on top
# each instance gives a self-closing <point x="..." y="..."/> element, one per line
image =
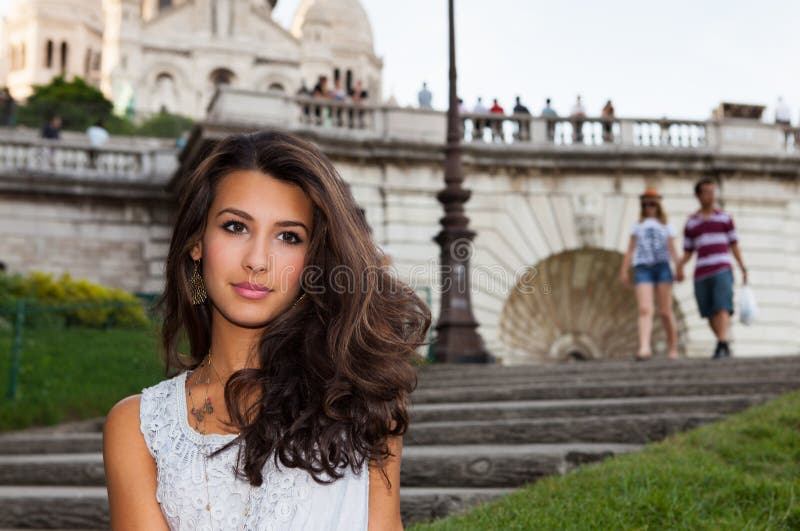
<point x="283" y="501"/>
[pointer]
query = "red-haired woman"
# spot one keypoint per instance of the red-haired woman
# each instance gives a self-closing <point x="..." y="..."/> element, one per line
<point x="288" y="410"/>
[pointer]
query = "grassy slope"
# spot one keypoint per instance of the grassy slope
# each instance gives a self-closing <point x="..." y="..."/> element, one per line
<point x="75" y="373"/>
<point x="742" y="473"/>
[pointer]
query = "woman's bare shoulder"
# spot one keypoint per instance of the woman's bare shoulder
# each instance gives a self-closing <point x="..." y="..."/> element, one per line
<point x="122" y="424"/>
<point x="131" y="474"/>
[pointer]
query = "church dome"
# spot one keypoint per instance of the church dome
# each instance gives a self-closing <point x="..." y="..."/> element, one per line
<point x="348" y="22"/>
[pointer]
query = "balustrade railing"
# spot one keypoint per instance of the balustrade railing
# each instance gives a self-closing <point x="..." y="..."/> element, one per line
<point x="498" y="128"/>
<point x="82" y="161"/>
<point x="335" y="113"/>
<point x="367" y="120"/>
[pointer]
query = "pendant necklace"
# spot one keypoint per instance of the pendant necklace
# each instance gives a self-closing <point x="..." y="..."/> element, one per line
<point x="199" y="415"/>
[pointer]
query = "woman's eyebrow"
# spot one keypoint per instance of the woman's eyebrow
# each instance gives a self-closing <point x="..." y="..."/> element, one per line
<point x="237" y="212"/>
<point x="291" y="223"/>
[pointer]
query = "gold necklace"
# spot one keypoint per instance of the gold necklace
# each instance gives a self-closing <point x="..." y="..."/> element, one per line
<point x="200" y="415"/>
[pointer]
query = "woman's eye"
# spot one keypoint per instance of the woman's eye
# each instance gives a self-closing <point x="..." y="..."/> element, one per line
<point x="236" y="226"/>
<point x="290" y="237"/>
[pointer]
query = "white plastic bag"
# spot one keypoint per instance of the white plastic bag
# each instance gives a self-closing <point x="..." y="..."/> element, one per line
<point x="748" y="309"/>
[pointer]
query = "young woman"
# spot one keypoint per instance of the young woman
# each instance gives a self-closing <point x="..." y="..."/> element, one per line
<point x="652" y="244"/>
<point x="288" y="410"/>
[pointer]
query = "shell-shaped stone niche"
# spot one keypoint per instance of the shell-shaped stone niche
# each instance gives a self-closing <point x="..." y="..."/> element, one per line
<point x="572" y="306"/>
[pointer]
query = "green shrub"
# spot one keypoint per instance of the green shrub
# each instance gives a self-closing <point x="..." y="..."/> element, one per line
<point x="78" y="103"/>
<point x="70" y="302"/>
<point x="165" y="125"/>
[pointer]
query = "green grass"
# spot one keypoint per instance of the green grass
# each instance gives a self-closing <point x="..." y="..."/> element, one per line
<point x="742" y="473"/>
<point x="74" y="373"/>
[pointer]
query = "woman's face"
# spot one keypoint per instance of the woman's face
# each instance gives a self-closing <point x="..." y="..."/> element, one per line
<point x="254" y="247"/>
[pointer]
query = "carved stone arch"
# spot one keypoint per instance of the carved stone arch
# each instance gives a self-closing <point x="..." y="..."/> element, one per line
<point x="270" y="80"/>
<point x="151" y="86"/>
<point x="222" y="76"/>
<point x="150" y="74"/>
<point x="571" y="306"/>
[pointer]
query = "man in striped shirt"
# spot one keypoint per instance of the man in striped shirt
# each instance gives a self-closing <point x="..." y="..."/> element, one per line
<point x="711" y="233"/>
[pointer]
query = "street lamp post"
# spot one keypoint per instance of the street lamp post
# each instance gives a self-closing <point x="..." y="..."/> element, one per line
<point x="457" y="338"/>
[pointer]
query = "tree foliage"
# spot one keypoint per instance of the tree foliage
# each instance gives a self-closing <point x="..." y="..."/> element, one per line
<point x="77" y="103"/>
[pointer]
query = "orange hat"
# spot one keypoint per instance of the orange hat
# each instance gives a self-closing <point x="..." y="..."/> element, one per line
<point x="650" y="193"/>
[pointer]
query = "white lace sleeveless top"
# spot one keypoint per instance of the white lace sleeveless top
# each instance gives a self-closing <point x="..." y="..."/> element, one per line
<point x="288" y="498"/>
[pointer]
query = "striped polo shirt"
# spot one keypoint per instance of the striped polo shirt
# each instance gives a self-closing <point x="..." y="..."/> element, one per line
<point x="711" y="237"/>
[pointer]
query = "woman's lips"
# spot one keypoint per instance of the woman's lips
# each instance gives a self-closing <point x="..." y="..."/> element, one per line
<point x="248" y="293"/>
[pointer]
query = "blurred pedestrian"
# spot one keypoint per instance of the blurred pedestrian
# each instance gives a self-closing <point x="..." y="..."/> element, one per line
<point x="358" y="95"/>
<point x="7" y="109"/>
<point x="425" y="97"/>
<point x="302" y="93"/>
<point x="496" y="125"/>
<point x="321" y="91"/>
<point x="578" y="114"/>
<point x="97" y="136"/>
<point x="607" y="115"/>
<point x="479" y="123"/>
<point x="783" y="113"/>
<point x="652" y="244"/>
<point x="549" y="113"/>
<point x="523" y="126"/>
<point x="711" y="233"/>
<point x="52" y="129"/>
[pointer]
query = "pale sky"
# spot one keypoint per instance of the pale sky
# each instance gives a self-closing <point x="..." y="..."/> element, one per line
<point x="677" y="59"/>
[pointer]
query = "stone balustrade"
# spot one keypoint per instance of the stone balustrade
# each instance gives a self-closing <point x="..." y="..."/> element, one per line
<point x="21" y="154"/>
<point x="360" y="121"/>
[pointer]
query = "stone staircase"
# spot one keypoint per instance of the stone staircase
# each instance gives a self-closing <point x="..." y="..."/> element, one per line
<point x="477" y="432"/>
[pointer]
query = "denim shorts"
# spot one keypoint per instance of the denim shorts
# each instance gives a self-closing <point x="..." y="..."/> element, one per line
<point x="715" y="293"/>
<point x="658" y="273"/>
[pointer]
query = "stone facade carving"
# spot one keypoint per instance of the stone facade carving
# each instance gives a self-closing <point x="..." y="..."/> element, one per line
<point x="153" y="55"/>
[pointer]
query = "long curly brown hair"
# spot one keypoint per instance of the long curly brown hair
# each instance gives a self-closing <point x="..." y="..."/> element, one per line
<point x="336" y="370"/>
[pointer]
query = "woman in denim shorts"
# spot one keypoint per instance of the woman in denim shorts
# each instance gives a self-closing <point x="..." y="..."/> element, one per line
<point x="651" y="247"/>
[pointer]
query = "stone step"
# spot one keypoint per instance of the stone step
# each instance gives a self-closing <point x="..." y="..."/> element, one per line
<point x="684" y="376"/>
<point x="603" y="370"/>
<point x="497" y="465"/>
<point x="437" y="412"/>
<point x="455" y="466"/>
<point x="54" y="507"/>
<point x="421" y="504"/>
<point x="460" y="370"/>
<point x="626" y="429"/>
<point x="50" y="443"/>
<point x="74" y="469"/>
<point x="87" y="507"/>
<point x="641" y="388"/>
<point x="441" y="410"/>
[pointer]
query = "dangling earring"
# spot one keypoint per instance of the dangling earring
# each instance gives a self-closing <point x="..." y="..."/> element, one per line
<point x="298" y="300"/>
<point x="196" y="285"/>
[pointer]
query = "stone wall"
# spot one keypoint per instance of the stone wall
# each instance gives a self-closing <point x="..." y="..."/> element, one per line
<point x="116" y="243"/>
<point x="525" y="216"/>
<point x="562" y="211"/>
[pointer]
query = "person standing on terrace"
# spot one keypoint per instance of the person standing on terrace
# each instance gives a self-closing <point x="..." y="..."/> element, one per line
<point x="578" y="115"/>
<point x="607" y="114"/>
<point x="497" y="125"/>
<point x="523" y="127"/>
<point x="425" y="98"/>
<point x="550" y="113"/>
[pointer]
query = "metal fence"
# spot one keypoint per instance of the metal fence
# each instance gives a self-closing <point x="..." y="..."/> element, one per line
<point x="16" y="313"/>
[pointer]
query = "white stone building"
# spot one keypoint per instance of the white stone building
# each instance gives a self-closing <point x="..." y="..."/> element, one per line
<point x="153" y="55"/>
